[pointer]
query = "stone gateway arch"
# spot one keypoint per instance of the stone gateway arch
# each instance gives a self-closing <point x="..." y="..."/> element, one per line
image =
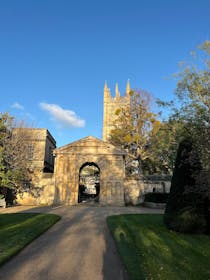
<point x="68" y="162"/>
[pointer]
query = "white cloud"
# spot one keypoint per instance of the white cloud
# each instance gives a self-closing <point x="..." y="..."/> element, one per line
<point x="65" y="118"/>
<point x="18" y="106"/>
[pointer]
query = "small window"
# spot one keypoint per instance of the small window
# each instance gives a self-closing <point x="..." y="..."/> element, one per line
<point x="30" y="152"/>
<point x="26" y="186"/>
<point x="50" y="155"/>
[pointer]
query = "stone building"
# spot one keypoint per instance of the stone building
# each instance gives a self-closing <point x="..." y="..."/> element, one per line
<point x="39" y="145"/>
<point x="111" y="104"/>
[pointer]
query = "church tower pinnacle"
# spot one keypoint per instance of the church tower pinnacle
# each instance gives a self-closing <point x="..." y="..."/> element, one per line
<point x="106" y="90"/>
<point x="128" y="88"/>
<point x="117" y="93"/>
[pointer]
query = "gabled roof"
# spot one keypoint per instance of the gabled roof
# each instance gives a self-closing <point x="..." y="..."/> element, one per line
<point x="90" y="143"/>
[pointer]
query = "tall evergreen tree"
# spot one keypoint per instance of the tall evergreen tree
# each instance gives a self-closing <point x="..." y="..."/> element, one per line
<point x="186" y="207"/>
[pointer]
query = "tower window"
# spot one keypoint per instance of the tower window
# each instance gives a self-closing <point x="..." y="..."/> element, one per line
<point x="30" y="152"/>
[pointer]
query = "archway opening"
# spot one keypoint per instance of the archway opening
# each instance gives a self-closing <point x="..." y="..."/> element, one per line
<point x="89" y="183"/>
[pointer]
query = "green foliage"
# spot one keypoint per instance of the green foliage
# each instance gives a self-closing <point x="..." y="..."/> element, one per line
<point x="156" y="197"/>
<point x="19" y="229"/>
<point x="189" y="115"/>
<point x="13" y="155"/>
<point x="132" y="127"/>
<point x="188" y="220"/>
<point x="194" y="84"/>
<point x="191" y="105"/>
<point x="8" y="194"/>
<point x="163" y="147"/>
<point x="185" y="209"/>
<point x="188" y="208"/>
<point x="150" y="251"/>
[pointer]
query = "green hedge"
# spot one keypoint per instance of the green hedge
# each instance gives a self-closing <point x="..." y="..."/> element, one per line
<point x="156" y="197"/>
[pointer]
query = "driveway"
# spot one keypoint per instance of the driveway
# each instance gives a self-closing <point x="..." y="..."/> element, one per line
<point x="78" y="247"/>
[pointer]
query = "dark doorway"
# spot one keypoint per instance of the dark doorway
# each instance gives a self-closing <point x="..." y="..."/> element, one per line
<point x="89" y="183"/>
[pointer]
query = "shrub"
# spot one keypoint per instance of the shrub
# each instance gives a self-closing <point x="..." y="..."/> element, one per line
<point x="156" y="197"/>
<point x="188" y="220"/>
<point x="186" y="207"/>
<point x="8" y="194"/>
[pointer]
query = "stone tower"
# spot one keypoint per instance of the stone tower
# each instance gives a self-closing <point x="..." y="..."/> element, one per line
<point x="111" y="104"/>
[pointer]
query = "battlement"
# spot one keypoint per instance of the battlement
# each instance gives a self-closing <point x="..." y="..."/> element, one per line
<point x="111" y="104"/>
<point x="107" y="92"/>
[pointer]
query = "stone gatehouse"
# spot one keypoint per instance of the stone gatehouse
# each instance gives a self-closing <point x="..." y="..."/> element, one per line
<point x="109" y="160"/>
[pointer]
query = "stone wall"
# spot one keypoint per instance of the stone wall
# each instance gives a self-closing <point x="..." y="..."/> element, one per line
<point x="112" y="192"/>
<point x="42" y="193"/>
<point x="136" y="188"/>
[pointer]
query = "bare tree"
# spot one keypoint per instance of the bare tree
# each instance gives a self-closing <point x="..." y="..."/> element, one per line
<point x="13" y="154"/>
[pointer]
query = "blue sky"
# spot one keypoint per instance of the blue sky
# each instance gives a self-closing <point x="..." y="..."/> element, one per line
<point x="55" y="56"/>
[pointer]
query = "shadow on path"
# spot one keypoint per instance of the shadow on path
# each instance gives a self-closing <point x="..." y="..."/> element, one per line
<point x="78" y="247"/>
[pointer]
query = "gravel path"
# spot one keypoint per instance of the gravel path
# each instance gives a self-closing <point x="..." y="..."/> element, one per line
<point x="78" y="247"/>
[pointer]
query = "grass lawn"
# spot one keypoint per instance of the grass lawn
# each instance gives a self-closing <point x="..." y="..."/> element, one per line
<point x="19" y="229"/>
<point x="151" y="251"/>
